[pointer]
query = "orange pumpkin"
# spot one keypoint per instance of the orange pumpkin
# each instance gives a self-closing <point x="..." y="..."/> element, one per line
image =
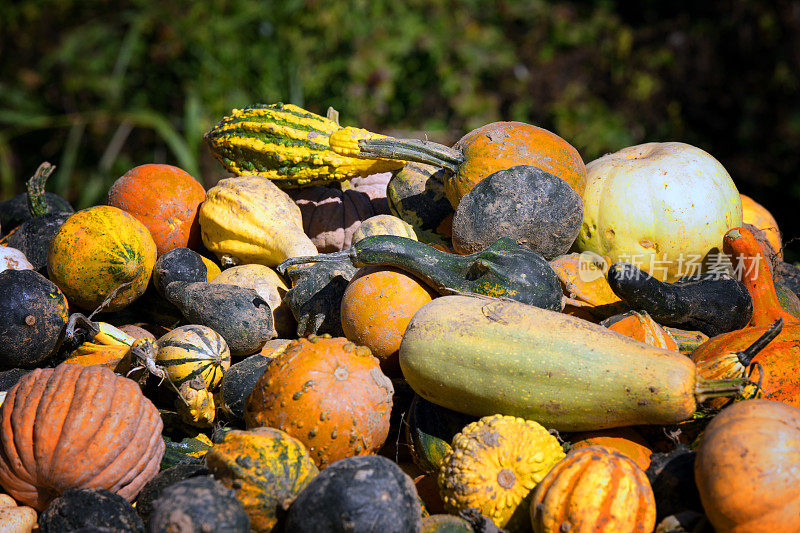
<point x="746" y="468"/>
<point x="594" y="489"/>
<point x="329" y="394"/>
<point x="758" y="215"/>
<point x="643" y="328"/>
<point x="376" y="307"/>
<point x="97" y="251"/>
<point x="77" y="427"/>
<point x="165" y="199"/>
<point x="625" y="440"/>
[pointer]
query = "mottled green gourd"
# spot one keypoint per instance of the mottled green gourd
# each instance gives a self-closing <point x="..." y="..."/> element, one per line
<point x="286" y="144"/>
<point x="503" y="270"/>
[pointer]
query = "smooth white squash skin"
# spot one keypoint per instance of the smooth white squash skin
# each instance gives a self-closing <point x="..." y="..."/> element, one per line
<point x="662" y="206"/>
<point x="487" y="356"/>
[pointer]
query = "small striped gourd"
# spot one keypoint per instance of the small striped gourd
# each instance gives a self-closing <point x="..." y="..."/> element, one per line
<point x="288" y="145"/>
<point x="193" y="350"/>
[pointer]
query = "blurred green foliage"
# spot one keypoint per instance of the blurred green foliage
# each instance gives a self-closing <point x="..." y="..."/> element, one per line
<point x="97" y="87"/>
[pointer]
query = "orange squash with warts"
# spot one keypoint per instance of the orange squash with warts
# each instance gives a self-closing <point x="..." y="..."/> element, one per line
<point x="329" y="394"/>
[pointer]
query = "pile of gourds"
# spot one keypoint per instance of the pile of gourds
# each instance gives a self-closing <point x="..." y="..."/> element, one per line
<point x="354" y="332"/>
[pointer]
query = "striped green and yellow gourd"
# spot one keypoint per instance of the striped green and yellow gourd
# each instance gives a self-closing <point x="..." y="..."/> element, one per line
<point x="289" y="145"/>
<point x="193" y="350"/>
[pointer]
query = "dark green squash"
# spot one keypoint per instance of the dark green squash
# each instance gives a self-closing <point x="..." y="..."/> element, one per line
<point x="78" y="508"/>
<point x="535" y="208"/>
<point x="33" y="203"/>
<point x="240" y="315"/>
<point x="671" y="476"/>
<point x="416" y="195"/>
<point x="712" y="304"/>
<point x="198" y="504"/>
<point x="361" y="493"/>
<point x="33" y="315"/>
<point x="33" y="237"/>
<point x="316" y="295"/>
<point x="238" y="381"/>
<point x="178" y="264"/>
<point x="166" y="478"/>
<point x="430" y="429"/>
<point x="504" y="270"/>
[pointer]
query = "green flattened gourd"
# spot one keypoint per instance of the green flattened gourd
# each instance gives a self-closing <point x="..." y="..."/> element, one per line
<point x="504" y="269"/>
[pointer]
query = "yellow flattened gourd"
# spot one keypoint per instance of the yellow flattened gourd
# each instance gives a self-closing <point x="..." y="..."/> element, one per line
<point x="289" y="145"/>
<point x="250" y="220"/>
<point x="494" y="465"/>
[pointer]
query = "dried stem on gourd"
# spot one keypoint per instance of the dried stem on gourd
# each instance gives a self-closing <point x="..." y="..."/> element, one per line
<point x="37" y="201"/>
<point x="746" y="356"/>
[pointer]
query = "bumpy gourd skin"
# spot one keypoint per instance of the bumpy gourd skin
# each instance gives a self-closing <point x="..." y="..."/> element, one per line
<point x="661" y="204"/>
<point x="493" y="466"/>
<point x="289" y="145"/>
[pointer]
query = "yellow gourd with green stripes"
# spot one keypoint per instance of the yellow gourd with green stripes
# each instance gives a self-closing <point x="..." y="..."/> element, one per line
<point x="193" y="350"/>
<point x="288" y="145"/>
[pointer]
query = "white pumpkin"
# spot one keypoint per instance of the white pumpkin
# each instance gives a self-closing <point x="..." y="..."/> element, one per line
<point x="662" y="206"/>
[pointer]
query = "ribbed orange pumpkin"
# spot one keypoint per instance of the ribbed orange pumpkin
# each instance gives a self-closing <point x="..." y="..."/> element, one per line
<point x="77" y="427"/>
<point x="329" y="394"/>
<point x="377" y="305"/>
<point x="98" y="250"/>
<point x="746" y="468"/>
<point x="625" y="440"/>
<point x="594" y="489"/>
<point x="165" y="199"/>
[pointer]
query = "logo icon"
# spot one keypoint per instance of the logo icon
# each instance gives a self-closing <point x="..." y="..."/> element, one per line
<point x="591" y="266"/>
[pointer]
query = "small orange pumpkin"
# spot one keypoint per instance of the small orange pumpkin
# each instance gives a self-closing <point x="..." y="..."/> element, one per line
<point x="329" y="394"/>
<point x="164" y="198"/>
<point x="377" y="306"/>
<point x="625" y="440"/>
<point x="594" y="489"/>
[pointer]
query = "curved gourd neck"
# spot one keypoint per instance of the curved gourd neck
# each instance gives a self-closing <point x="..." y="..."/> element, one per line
<point x="37" y="201"/>
<point x="752" y="269"/>
<point x="412" y="150"/>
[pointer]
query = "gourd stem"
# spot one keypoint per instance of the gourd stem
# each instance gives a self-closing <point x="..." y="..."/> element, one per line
<point x="746" y="356"/>
<point x="37" y="201"/>
<point x="412" y="150"/>
<point x="306" y="259"/>
<point x="705" y="389"/>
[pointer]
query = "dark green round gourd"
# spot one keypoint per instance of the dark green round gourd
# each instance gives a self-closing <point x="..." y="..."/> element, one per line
<point x="33" y="237"/>
<point x="79" y="508"/>
<point x="166" y="478"/>
<point x="416" y="195"/>
<point x="198" y="504"/>
<point x="33" y="315"/>
<point x="361" y="493"/>
<point x="238" y="382"/>
<point x="15" y="211"/>
<point x="503" y="269"/>
<point x="9" y="378"/>
<point x="535" y="208"/>
<point x="430" y="430"/>
<point x="788" y="275"/>
<point x="178" y="264"/>
<point x="712" y="304"/>
<point x="671" y="476"/>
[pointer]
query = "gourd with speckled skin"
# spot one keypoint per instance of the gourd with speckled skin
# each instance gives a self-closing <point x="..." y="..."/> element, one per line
<point x="594" y="489"/>
<point x="98" y="250"/>
<point x="266" y="467"/>
<point x="328" y="393"/>
<point x="494" y="465"/>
